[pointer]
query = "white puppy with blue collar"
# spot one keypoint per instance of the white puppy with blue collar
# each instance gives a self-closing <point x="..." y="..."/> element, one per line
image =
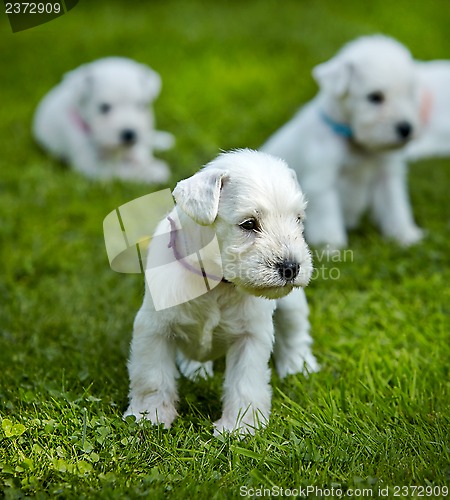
<point x="238" y="227"/>
<point x="346" y="145"/>
<point x="99" y="120"/>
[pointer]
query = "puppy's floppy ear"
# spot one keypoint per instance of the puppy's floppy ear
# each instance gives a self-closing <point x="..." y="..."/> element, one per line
<point x="81" y="80"/>
<point x="198" y="196"/>
<point x="334" y="76"/>
<point x="152" y="83"/>
<point x="293" y="174"/>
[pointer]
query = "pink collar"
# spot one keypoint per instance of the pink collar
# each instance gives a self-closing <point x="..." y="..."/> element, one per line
<point x="426" y="105"/>
<point x="181" y="259"/>
<point x="79" y="122"/>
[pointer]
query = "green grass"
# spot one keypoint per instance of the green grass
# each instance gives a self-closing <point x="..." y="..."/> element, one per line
<point x="377" y="414"/>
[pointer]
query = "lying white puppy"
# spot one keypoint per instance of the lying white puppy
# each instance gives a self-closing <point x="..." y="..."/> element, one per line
<point x="99" y="120"/>
<point x="243" y="214"/>
<point x="434" y="140"/>
<point x="346" y="143"/>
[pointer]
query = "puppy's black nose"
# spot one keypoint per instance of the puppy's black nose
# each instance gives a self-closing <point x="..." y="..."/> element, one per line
<point x="404" y="130"/>
<point x="128" y="136"/>
<point x="288" y="270"/>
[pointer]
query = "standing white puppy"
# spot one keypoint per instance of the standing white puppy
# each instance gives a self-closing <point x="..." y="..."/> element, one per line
<point x="346" y="144"/>
<point x="238" y="227"/>
<point x="99" y="120"/>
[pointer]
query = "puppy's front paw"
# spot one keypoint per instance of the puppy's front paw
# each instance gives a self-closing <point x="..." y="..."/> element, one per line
<point x="328" y="237"/>
<point x="243" y="424"/>
<point x="162" y="141"/>
<point x="410" y="236"/>
<point x="153" y="409"/>
<point x="293" y="362"/>
<point x="158" y="172"/>
<point x="151" y="171"/>
<point x="224" y="426"/>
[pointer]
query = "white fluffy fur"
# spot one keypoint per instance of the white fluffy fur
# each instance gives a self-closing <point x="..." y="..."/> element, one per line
<point x="85" y="120"/>
<point x="434" y="139"/>
<point x="234" y="319"/>
<point x="341" y="177"/>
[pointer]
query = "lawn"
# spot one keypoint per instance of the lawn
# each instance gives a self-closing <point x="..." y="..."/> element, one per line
<point x="375" y="417"/>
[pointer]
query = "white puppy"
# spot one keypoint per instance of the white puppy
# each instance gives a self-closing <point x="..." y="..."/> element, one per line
<point x="434" y="140"/>
<point x="99" y="120"/>
<point x="249" y="204"/>
<point x="346" y="143"/>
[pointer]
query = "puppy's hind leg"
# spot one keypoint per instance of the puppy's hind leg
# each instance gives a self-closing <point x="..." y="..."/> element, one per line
<point x="292" y="350"/>
<point x="153" y="372"/>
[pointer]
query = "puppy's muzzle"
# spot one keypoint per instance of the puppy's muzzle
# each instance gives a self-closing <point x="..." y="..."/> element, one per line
<point x="288" y="270"/>
<point x="128" y="137"/>
<point x="404" y="130"/>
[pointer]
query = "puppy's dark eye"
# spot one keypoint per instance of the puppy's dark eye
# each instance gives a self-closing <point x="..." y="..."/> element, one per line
<point x="376" y="97"/>
<point x="249" y="225"/>
<point x="300" y="219"/>
<point x="104" y="108"/>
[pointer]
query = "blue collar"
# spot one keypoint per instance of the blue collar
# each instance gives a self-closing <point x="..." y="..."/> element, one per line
<point x="338" y="128"/>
